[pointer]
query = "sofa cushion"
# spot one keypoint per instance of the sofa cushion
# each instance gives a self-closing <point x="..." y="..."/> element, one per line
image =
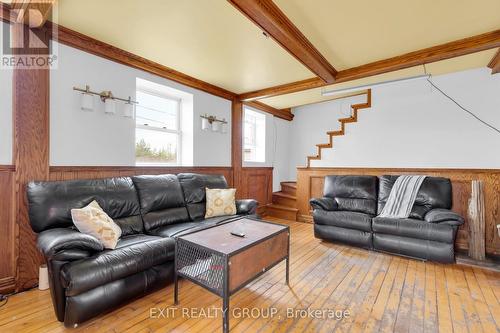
<point x="343" y="219"/>
<point x="220" y="202"/>
<point x="132" y="255"/>
<point x="161" y="199"/>
<point x="353" y="193"/>
<point x="193" y="186"/>
<point x="174" y="229"/>
<point x="343" y="235"/>
<point x="414" y="228"/>
<point x="221" y="219"/>
<point x="93" y="221"/>
<point x="415" y="248"/>
<point x="50" y="203"/>
<point x="435" y="192"/>
<point x="179" y="228"/>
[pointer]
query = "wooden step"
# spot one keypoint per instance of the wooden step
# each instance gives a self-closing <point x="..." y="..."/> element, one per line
<point x="289" y="188"/>
<point x="335" y="133"/>
<point x="360" y="106"/>
<point x="284" y="199"/>
<point x="348" y="120"/>
<point x="282" y="212"/>
<point x="324" y="145"/>
<point x="315" y="157"/>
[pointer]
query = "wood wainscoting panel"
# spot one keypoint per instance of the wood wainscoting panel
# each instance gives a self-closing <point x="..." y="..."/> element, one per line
<point x="461" y="195"/>
<point x="257" y="183"/>
<point x="9" y="230"/>
<point x="310" y="184"/>
<point x="94" y="172"/>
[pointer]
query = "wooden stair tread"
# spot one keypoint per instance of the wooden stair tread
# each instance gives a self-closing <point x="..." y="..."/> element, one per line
<point x="348" y="120"/>
<point x="335" y="133"/>
<point x="284" y="195"/>
<point x="281" y="207"/>
<point x="289" y="184"/>
<point x="324" y="145"/>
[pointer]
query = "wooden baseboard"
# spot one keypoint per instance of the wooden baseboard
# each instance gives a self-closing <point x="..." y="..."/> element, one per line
<point x="7" y="285"/>
<point x="261" y="210"/>
<point x="304" y="218"/>
<point x="492" y="263"/>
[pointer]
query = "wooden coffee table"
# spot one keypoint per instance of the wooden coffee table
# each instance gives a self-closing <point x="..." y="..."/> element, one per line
<point x="223" y="263"/>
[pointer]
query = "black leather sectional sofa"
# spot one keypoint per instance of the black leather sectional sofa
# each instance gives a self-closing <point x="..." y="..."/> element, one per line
<point x="87" y="280"/>
<point x="348" y="213"/>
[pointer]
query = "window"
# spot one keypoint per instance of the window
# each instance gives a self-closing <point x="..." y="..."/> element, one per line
<point x="254" y="131"/>
<point x="158" y="129"/>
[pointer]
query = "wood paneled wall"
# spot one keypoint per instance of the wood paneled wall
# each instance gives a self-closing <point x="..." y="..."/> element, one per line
<point x="257" y="183"/>
<point x="9" y="232"/>
<point x="31" y="147"/>
<point x="310" y="185"/>
<point x="93" y="172"/>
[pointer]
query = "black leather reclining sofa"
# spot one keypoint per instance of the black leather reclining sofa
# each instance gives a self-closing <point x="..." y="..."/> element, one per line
<point x="348" y="213"/>
<point x="87" y="280"/>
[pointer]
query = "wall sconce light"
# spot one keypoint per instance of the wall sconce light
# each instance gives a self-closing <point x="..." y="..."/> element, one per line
<point x="129" y="109"/>
<point x="109" y="106"/>
<point x="205" y="125"/>
<point x="87" y="102"/>
<point x="212" y="122"/>
<point x="108" y="99"/>
<point x="216" y="126"/>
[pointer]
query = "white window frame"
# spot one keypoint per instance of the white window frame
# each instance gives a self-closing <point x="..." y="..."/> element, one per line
<point x="246" y="109"/>
<point x="178" y="132"/>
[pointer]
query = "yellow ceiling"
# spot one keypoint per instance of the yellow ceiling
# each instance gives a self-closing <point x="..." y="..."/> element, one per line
<point x="470" y="61"/>
<point x="350" y="33"/>
<point x="212" y="41"/>
<point x="207" y="39"/>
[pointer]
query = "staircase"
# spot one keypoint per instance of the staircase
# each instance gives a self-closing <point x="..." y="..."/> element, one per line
<point x="343" y="121"/>
<point x="284" y="202"/>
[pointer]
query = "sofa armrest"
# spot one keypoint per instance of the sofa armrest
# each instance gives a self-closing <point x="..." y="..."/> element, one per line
<point x="445" y="216"/>
<point x="246" y="206"/>
<point x="53" y="241"/>
<point x="323" y="203"/>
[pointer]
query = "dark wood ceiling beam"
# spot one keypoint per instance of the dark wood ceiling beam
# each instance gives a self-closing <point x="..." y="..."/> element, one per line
<point x="432" y="54"/>
<point x="495" y="63"/>
<point x="445" y="51"/>
<point x="267" y="15"/>
<point x="285" y="114"/>
<point x="283" y="89"/>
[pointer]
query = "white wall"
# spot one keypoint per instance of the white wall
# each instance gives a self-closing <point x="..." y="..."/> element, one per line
<point x="5" y="114"/>
<point x="309" y="127"/>
<point x="410" y="125"/>
<point x="281" y="149"/>
<point x="94" y="138"/>
<point x="277" y="131"/>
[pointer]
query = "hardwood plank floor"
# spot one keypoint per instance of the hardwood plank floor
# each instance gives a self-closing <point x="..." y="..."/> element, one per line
<point x="380" y="293"/>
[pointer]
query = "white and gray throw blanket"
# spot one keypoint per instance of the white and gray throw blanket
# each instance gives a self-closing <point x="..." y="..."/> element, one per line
<point x="402" y="197"/>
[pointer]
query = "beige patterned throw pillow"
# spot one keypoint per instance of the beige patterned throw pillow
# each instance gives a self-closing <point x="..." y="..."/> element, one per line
<point x="92" y="220"/>
<point x="220" y="202"/>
